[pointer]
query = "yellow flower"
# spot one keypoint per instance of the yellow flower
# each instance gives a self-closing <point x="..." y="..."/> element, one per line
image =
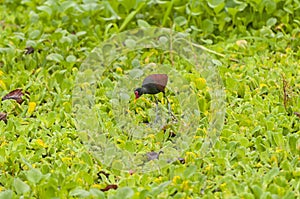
<point x="119" y="70"/>
<point x="175" y="179"/>
<point x="3" y="144"/>
<point x="158" y="180"/>
<point x="189" y="156"/>
<point x="200" y="83"/>
<point x="66" y="159"/>
<point x="2" y="85"/>
<point x="262" y="85"/>
<point x="258" y="165"/>
<point x="273" y="159"/>
<point x="31" y="107"/>
<point x="223" y="185"/>
<point x="152" y="136"/>
<point x="97" y="186"/>
<point x="185" y="185"/>
<point x="41" y="143"/>
<point x="207" y="168"/>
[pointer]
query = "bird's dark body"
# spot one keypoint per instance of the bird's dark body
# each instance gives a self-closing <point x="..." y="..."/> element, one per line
<point x="152" y="84"/>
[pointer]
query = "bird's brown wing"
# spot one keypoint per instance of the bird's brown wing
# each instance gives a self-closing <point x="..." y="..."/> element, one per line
<point x="160" y="80"/>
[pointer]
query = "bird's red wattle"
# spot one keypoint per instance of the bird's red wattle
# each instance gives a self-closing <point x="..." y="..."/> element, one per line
<point x="136" y="94"/>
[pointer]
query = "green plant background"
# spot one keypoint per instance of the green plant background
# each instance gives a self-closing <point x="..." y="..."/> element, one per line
<point x="257" y="155"/>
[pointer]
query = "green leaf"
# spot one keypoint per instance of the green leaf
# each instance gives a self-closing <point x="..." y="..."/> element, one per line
<point x="7" y="194"/>
<point x="79" y="193"/>
<point x="214" y="3"/>
<point x="143" y="24"/>
<point x="87" y="158"/>
<point x="136" y="73"/>
<point x="190" y="171"/>
<point x="271" y="22"/>
<point x="80" y="33"/>
<point x="270" y="175"/>
<point x="124" y="192"/>
<point x="130" y="146"/>
<point x="258" y="192"/>
<point x="180" y="21"/>
<point x="55" y="57"/>
<point x="97" y="193"/>
<point x="167" y="12"/>
<point x="131" y="15"/>
<point x="34" y="34"/>
<point x="157" y="190"/>
<point x="20" y="186"/>
<point x="34" y="175"/>
<point x="71" y="59"/>
<point x="46" y="9"/>
<point x="270" y="6"/>
<point x="208" y="26"/>
<point x="130" y="43"/>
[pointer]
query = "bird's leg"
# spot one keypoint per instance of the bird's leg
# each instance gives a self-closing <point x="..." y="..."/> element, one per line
<point x="156" y="111"/>
<point x="169" y="109"/>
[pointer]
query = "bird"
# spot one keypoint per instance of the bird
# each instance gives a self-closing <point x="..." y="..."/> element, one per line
<point x="153" y="84"/>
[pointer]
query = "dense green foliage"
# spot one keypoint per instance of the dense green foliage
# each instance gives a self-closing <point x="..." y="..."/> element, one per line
<point x="257" y="155"/>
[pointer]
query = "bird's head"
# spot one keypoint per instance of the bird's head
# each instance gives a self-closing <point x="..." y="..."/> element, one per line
<point x="138" y="93"/>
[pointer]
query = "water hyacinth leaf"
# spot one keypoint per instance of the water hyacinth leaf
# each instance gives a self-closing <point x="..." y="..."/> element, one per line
<point x="143" y="24"/>
<point x="7" y="194"/>
<point x="55" y="57"/>
<point x="270" y="175"/>
<point x="157" y="190"/>
<point x="97" y="193"/>
<point x="270" y="6"/>
<point x="79" y="193"/>
<point x="180" y="20"/>
<point x="208" y="26"/>
<point x="87" y="158"/>
<point x="214" y="3"/>
<point x="136" y="73"/>
<point x="217" y="5"/>
<point x="46" y="9"/>
<point x="34" y="175"/>
<point x="71" y="59"/>
<point x="190" y="171"/>
<point x="257" y="190"/>
<point x="271" y="22"/>
<point x="20" y="186"/>
<point x="80" y="33"/>
<point x="125" y="192"/>
<point x="130" y="43"/>
<point x="34" y="34"/>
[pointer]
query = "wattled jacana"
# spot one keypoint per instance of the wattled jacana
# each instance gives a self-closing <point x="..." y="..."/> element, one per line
<point x="154" y="84"/>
